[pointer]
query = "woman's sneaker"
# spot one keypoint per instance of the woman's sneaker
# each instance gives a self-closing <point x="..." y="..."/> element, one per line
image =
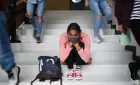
<point x="70" y="75"/>
<point x="38" y="39"/>
<point x="101" y="33"/>
<point x="78" y="74"/>
<point x="97" y="40"/>
<point x="135" y="79"/>
<point x="14" y="76"/>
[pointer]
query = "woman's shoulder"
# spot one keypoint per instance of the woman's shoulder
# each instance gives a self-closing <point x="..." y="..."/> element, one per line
<point x="63" y="35"/>
<point x="83" y="34"/>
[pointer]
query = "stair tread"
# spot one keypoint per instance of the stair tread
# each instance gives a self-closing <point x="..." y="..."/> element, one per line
<point x="34" y="47"/>
<point x="92" y="73"/>
<point x="97" y="57"/>
<point x="50" y="38"/>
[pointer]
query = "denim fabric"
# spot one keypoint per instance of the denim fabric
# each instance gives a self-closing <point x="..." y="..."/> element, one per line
<point x="6" y="55"/>
<point x="39" y="11"/>
<point x="96" y="7"/>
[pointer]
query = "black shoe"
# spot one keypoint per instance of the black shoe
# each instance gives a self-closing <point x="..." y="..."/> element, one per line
<point x="15" y="41"/>
<point x="14" y="76"/>
<point x="38" y="39"/>
<point x="135" y="78"/>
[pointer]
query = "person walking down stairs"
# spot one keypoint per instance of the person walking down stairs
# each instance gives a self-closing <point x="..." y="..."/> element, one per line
<point x="128" y="15"/>
<point x="74" y="47"/>
<point x="6" y="56"/>
<point x="135" y="25"/>
<point x="123" y="10"/>
<point x="99" y="7"/>
<point x="37" y="24"/>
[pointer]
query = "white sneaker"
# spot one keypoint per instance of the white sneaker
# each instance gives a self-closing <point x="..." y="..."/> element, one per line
<point x="14" y="78"/>
<point x="101" y="33"/>
<point x="97" y="40"/>
<point x="135" y="78"/>
<point x="136" y="82"/>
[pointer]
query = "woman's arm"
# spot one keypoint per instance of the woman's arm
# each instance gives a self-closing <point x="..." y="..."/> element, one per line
<point x="85" y="52"/>
<point x="64" y="50"/>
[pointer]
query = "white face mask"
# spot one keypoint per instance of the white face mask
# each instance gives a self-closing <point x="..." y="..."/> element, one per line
<point x="76" y="1"/>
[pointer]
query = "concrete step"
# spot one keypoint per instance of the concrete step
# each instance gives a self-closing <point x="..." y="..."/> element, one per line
<point x="55" y="31"/>
<point x="70" y="17"/>
<point x="55" y="38"/>
<point x="52" y="21"/>
<point x="34" y="47"/>
<point x="3" y="77"/>
<point x="4" y="83"/>
<point x="68" y="13"/>
<point x="98" y="58"/>
<point x="63" y="14"/>
<point x="64" y="26"/>
<point x="75" y="83"/>
<point x="91" y="73"/>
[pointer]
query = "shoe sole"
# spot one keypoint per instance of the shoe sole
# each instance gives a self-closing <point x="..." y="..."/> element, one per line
<point x="97" y="42"/>
<point x="18" y="75"/>
<point x="134" y="82"/>
<point x="70" y="78"/>
<point x="39" y="42"/>
<point x="78" y="78"/>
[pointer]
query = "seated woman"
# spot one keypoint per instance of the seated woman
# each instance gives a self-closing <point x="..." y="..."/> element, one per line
<point x="74" y="47"/>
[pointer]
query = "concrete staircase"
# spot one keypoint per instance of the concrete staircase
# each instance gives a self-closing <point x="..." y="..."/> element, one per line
<point x="109" y="59"/>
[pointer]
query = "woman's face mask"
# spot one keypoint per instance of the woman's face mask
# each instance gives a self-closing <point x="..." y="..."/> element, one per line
<point x="73" y="40"/>
<point x="73" y="36"/>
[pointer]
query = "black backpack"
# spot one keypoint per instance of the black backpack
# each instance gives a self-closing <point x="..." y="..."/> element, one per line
<point x="51" y="69"/>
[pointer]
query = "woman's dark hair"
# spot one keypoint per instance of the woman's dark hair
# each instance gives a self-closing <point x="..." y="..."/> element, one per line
<point x="74" y="26"/>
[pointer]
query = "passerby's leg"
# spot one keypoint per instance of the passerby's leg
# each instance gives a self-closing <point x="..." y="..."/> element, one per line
<point x="6" y="56"/>
<point x="94" y="6"/>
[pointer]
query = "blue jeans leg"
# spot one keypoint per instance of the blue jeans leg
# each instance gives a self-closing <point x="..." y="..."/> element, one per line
<point x="32" y="19"/>
<point x="40" y="9"/>
<point x="94" y="6"/>
<point x="6" y="56"/>
<point x="107" y="12"/>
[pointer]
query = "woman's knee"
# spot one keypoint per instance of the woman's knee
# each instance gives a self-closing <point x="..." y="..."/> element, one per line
<point x="29" y="14"/>
<point x="108" y="12"/>
<point x="39" y="19"/>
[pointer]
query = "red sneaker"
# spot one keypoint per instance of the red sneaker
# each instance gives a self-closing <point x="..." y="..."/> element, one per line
<point x="70" y="75"/>
<point x="78" y="74"/>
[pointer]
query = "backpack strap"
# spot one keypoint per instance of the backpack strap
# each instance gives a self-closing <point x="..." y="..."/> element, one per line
<point x="61" y="81"/>
<point x="52" y="80"/>
<point x="34" y="80"/>
<point x="39" y="66"/>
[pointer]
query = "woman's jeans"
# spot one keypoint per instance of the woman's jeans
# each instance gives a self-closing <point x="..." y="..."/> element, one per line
<point x="6" y="56"/>
<point x="39" y="12"/>
<point x="98" y="7"/>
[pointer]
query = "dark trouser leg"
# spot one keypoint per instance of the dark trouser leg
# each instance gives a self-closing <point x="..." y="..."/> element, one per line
<point x="75" y="57"/>
<point x="135" y="25"/>
<point x="134" y="67"/>
<point x="79" y="60"/>
<point x="70" y="59"/>
<point x="13" y="32"/>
